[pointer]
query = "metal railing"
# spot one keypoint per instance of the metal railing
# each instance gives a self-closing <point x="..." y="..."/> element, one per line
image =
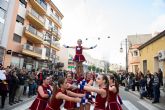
<point x="57" y="18"/>
<point x="35" y="14"/>
<point x="35" y="32"/>
<point x="42" y="4"/>
<point x="32" y="49"/>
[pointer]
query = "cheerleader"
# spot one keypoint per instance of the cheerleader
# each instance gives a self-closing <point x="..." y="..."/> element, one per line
<point x="113" y="95"/>
<point x="102" y="91"/>
<point x="79" y="57"/>
<point x="69" y="105"/>
<point x="61" y="93"/>
<point x="89" y="80"/>
<point x="44" y="92"/>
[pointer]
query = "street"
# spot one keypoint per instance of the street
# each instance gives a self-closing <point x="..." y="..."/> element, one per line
<point x="130" y="102"/>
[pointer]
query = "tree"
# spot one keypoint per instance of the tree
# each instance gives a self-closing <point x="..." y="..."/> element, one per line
<point x="101" y="70"/>
<point x="89" y="68"/>
<point x="97" y="70"/>
<point x="93" y="68"/>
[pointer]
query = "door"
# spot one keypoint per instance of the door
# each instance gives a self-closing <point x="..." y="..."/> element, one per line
<point x="144" y="66"/>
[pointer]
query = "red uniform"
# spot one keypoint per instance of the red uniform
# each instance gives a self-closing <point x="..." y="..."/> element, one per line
<point x="79" y="57"/>
<point x="54" y="104"/>
<point x="112" y="102"/>
<point x="68" y="104"/>
<point x="40" y="102"/>
<point x="100" y="102"/>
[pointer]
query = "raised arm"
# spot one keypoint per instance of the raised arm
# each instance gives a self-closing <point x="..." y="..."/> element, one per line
<point x="67" y="98"/>
<point x="94" y="89"/>
<point x="87" y="48"/>
<point x="70" y="93"/>
<point x="41" y="92"/>
<point x="69" y="46"/>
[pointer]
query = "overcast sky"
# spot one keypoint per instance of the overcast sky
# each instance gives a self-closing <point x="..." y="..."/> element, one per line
<point x="115" y="18"/>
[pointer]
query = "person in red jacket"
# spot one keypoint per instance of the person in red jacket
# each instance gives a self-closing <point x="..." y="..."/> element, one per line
<point x="44" y="93"/>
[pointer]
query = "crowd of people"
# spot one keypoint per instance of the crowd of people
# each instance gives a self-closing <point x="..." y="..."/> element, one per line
<point x="16" y="83"/>
<point x="147" y="84"/>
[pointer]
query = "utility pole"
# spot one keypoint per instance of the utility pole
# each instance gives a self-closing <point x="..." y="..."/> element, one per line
<point x="126" y="46"/>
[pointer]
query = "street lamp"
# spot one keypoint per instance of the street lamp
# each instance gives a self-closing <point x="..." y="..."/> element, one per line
<point x="50" y="44"/>
<point x="121" y="50"/>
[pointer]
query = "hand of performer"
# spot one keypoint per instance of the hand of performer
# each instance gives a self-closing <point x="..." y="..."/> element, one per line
<point x="93" y="47"/>
<point x="84" y="100"/>
<point x="66" y="46"/>
<point x="49" y="92"/>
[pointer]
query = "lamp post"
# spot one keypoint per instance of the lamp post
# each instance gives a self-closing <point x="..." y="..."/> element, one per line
<point x="50" y="44"/>
<point x="126" y="49"/>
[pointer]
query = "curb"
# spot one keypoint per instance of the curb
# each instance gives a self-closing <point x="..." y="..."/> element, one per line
<point x="138" y="95"/>
<point x="16" y="105"/>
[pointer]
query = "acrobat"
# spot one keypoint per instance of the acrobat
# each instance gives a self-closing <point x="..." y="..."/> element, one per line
<point x="79" y="57"/>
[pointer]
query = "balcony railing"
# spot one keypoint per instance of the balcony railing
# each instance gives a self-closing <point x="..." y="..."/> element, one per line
<point x="35" y="14"/>
<point x="42" y="4"/>
<point x="57" y="18"/>
<point x="32" y="49"/>
<point x="35" y="32"/>
<point x="57" y="44"/>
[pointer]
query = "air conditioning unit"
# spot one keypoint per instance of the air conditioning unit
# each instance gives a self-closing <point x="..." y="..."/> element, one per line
<point x="161" y="55"/>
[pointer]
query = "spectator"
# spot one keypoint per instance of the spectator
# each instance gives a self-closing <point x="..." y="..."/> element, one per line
<point x="14" y="84"/>
<point x="149" y="86"/>
<point x="143" y="83"/>
<point x="3" y="86"/>
<point x="156" y="86"/>
<point x="19" y="92"/>
<point x="160" y="76"/>
<point x="31" y="83"/>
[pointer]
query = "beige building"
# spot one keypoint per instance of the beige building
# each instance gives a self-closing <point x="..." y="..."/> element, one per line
<point x="134" y="42"/>
<point x="34" y="33"/>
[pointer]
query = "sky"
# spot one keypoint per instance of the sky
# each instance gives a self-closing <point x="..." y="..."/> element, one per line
<point x="115" y="18"/>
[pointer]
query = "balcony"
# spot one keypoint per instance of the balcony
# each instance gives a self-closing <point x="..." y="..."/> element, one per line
<point x="55" y="46"/>
<point x="135" y="60"/>
<point x="35" y="18"/>
<point x="39" y="6"/>
<point x="33" y="34"/>
<point x="55" y="19"/>
<point x="31" y="51"/>
<point x="55" y="33"/>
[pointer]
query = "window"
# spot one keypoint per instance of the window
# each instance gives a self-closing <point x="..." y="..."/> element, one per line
<point x="23" y="3"/>
<point x="135" y="53"/>
<point x="50" y="23"/>
<point x="1" y="29"/>
<point x="51" y="10"/>
<point x="17" y="38"/>
<point x="2" y="13"/>
<point x="20" y="20"/>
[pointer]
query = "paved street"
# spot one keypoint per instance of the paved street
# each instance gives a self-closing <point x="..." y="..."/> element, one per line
<point x="130" y="102"/>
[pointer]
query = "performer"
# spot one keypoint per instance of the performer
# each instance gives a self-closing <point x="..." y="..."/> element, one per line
<point x="89" y="79"/>
<point x="44" y="93"/>
<point x="102" y="91"/>
<point x="79" y="57"/>
<point x="69" y="105"/>
<point x="61" y="93"/>
<point x="113" y="95"/>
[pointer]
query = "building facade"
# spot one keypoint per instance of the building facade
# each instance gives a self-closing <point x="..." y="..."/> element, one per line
<point x="6" y="9"/>
<point x="152" y="54"/>
<point x="134" y="42"/>
<point x="34" y="34"/>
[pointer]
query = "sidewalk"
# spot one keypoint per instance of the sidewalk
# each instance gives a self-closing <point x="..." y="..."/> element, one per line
<point x="160" y="105"/>
<point x="10" y="107"/>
